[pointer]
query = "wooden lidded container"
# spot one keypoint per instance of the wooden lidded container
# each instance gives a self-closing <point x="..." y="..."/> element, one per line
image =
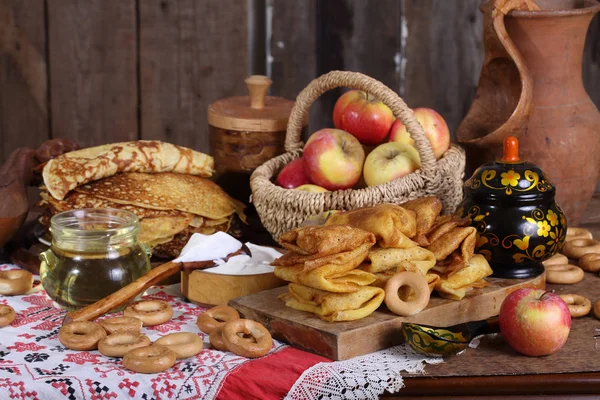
<point x="246" y="131"/>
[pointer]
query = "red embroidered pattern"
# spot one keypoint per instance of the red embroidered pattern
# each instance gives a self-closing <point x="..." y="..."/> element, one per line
<point x="31" y="352"/>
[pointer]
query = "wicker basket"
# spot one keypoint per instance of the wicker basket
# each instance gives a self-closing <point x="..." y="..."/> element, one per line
<point x="281" y="210"/>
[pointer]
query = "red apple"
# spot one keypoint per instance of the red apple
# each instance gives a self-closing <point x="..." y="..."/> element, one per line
<point x="293" y="175"/>
<point x="390" y="161"/>
<point x="363" y="116"/>
<point x="535" y="322"/>
<point x="434" y="125"/>
<point x="333" y="159"/>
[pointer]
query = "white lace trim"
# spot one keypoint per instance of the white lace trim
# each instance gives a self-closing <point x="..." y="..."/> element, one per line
<point x="364" y="377"/>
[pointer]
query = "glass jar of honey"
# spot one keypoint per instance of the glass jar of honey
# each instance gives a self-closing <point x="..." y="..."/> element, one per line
<point x="94" y="252"/>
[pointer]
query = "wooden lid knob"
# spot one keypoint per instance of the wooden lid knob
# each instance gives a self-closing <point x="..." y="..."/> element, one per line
<point x="258" y="86"/>
<point x="511" y="149"/>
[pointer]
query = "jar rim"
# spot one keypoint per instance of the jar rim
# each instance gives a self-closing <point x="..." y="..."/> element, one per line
<point x="94" y="222"/>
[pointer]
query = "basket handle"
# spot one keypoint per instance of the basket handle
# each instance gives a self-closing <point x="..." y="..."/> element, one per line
<point x="356" y="80"/>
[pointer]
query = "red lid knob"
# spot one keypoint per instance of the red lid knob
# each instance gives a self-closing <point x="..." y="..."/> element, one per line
<point x="511" y="149"/>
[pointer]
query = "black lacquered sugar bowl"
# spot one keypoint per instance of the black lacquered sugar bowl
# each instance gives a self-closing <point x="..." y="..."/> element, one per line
<point x="511" y="204"/>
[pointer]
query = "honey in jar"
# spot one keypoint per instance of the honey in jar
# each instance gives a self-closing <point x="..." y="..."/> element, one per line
<point x="94" y="253"/>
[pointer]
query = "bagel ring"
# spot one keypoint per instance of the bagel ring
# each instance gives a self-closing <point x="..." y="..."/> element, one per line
<point x="405" y="308"/>
<point x="579" y="306"/>
<point x="260" y="344"/>
<point x="7" y="315"/>
<point x="15" y="281"/>
<point x="151" y="312"/>
<point x="564" y="274"/>
<point x="557" y="259"/>
<point x="81" y="335"/>
<point x="150" y="359"/>
<point x="578" y="233"/>
<point x="590" y="262"/>
<point x="216" y="316"/>
<point x="216" y="339"/>
<point x="577" y="248"/>
<point x="597" y="309"/>
<point x="184" y="344"/>
<point x="117" y="344"/>
<point x="122" y="325"/>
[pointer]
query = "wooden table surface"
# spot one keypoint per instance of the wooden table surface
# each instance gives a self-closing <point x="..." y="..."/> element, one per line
<point x="493" y="368"/>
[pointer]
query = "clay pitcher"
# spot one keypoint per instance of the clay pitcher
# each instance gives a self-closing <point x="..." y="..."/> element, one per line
<point x="531" y="87"/>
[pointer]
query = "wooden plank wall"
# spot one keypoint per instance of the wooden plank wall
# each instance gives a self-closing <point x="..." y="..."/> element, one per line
<point x="191" y="53"/>
<point x="23" y="75"/>
<point x="99" y="71"/>
<point x="92" y="64"/>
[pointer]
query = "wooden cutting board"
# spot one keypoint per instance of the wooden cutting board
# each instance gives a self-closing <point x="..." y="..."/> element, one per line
<point x="380" y="330"/>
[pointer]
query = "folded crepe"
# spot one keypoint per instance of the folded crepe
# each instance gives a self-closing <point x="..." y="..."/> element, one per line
<point x="454" y="286"/>
<point x="334" y="307"/>
<point x="70" y="170"/>
<point x="415" y="259"/>
<point x="444" y="224"/>
<point x="332" y="277"/>
<point x="462" y="238"/>
<point x="291" y="259"/>
<point x="312" y="242"/>
<point x="427" y="209"/>
<point x="392" y="225"/>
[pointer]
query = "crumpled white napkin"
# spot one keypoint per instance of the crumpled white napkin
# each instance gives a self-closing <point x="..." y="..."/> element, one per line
<point x="218" y="246"/>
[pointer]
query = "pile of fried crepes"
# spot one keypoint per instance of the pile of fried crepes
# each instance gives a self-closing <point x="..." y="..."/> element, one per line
<point x="163" y="184"/>
<point x="338" y="270"/>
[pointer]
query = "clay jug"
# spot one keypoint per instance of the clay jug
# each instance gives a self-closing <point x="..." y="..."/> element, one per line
<point x="531" y="87"/>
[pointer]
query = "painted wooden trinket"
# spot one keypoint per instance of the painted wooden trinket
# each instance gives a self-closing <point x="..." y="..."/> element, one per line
<point x="512" y="205"/>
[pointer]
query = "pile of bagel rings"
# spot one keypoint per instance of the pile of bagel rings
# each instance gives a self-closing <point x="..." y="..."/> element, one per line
<point x="228" y="332"/>
<point x="122" y="337"/>
<point x="580" y="246"/>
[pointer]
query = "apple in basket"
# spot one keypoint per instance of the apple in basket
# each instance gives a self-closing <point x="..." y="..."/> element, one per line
<point x="333" y="159"/>
<point x="363" y="116"/>
<point x="434" y="125"/>
<point x="534" y="322"/>
<point x="312" y="188"/>
<point x="293" y="175"/>
<point x="390" y="161"/>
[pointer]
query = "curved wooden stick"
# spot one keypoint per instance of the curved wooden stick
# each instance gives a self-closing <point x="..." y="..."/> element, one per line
<point x="124" y="294"/>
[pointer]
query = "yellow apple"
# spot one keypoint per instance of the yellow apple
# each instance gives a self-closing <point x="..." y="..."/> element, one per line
<point x="435" y="128"/>
<point x="390" y="161"/>
<point x="333" y="159"/>
<point x="312" y="188"/>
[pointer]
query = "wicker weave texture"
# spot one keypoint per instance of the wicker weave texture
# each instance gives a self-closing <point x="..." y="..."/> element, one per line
<point x="281" y="210"/>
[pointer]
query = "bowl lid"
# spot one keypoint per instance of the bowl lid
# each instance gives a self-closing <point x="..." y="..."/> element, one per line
<point x="510" y="178"/>
<point x="255" y="113"/>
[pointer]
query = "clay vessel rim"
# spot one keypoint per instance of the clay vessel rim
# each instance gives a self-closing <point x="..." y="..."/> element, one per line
<point x="590" y="7"/>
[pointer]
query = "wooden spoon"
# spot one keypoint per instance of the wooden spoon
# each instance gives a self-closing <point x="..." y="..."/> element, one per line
<point x="435" y="341"/>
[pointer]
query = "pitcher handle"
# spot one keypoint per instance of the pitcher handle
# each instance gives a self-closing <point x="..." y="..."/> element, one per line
<point x="519" y="117"/>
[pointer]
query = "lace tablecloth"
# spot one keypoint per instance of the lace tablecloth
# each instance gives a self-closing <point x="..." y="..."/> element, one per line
<point x="34" y="364"/>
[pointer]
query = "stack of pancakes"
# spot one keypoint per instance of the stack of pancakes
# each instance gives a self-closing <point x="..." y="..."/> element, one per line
<point x="163" y="184"/>
<point x="322" y="266"/>
<point x="338" y="265"/>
